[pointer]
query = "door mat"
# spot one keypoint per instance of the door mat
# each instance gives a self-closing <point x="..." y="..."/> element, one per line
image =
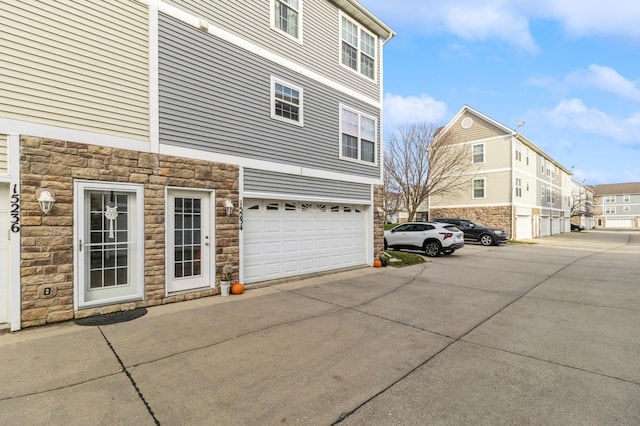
<point x="112" y="318"/>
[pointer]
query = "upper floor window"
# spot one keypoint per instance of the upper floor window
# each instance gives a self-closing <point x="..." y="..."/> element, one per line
<point x="479" y="188"/>
<point x="609" y="198"/>
<point x="287" y="17"/>
<point x="286" y="102"/>
<point x="518" y="187"/>
<point x="548" y="195"/>
<point x="626" y="198"/>
<point x="519" y="151"/>
<point x="358" y="50"/>
<point x="609" y="210"/>
<point x="626" y="208"/>
<point x="477" y="151"/>
<point x="357" y="136"/>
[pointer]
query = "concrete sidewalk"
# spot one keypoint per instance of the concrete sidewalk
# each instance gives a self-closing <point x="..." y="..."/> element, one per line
<point x="517" y="334"/>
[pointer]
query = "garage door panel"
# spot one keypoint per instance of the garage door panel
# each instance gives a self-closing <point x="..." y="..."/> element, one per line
<point x="619" y="223"/>
<point x="301" y="238"/>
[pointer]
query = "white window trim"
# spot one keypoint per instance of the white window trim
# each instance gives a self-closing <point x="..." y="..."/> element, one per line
<point x="275" y="116"/>
<point x="473" y="188"/>
<point x="484" y="153"/>
<point x="609" y="199"/>
<point x="626" y="208"/>
<point x="518" y="187"/>
<point x="375" y="58"/>
<point x="376" y="143"/>
<point x="274" y="27"/>
<point x="626" y="198"/>
<point x="609" y="210"/>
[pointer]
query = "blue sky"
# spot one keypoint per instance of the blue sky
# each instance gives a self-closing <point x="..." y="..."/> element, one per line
<point x="570" y="69"/>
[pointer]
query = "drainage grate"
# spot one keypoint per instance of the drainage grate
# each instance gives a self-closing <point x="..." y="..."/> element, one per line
<point x="112" y="318"/>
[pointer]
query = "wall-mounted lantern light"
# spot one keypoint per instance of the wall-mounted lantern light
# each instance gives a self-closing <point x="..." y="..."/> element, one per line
<point x="380" y="212"/>
<point x="45" y="198"/>
<point x="228" y="206"/>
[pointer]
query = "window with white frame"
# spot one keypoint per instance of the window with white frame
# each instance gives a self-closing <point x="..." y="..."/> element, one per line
<point x="518" y="187"/>
<point x="541" y="164"/>
<point x="286" y="102"/>
<point x="518" y="151"/>
<point x="626" y="208"/>
<point x="357" y="136"/>
<point x="287" y="17"/>
<point x="548" y="195"/>
<point x="477" y="153"/>
<point x="358" y="48"/>
<point x="626" y="198"/>
<point x="479" y="188"/>
<point x="609" y="198"/>
<point x="609" y="210"/>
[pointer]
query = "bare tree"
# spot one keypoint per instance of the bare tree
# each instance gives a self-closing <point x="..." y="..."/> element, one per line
<point x="422" y="161"/>
<point x="581" y="202"/>
<point x="391" y="193"/>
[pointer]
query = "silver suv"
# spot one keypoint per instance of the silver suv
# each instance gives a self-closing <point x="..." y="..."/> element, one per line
<point x="433" y="238"/>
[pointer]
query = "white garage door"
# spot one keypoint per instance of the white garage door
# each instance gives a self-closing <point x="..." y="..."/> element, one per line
<point x="619" y="223"/>
<point x="555" y="226"/>
<point x="545" y="226"/>
<point x="523" y="228"/>
<point x="288" y="238"/>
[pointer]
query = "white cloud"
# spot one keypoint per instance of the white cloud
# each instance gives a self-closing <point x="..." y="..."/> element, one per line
<point x="574" y="115"/>
<point x="588" y="17"/>
<point x="606" y="79"/>
<point x="399" y="110"/>
<point x="509" y="20"/>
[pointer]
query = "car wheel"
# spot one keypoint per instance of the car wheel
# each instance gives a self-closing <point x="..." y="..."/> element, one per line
<point x="432" y="248"/>
<point x="448" y="252"/>
<point x="486" y="240"/>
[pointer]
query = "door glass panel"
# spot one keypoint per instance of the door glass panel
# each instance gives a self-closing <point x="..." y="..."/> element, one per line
<point x="108" y="249"/>
<point x="187" y="237"/>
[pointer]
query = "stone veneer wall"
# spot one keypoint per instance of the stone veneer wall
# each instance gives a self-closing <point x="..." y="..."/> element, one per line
<point x="378" y="222"/>
<point x="47" y="240"/>
<point x="497" y="217"/>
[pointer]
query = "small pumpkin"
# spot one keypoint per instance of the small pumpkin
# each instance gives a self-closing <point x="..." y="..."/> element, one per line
<point x="237" y="288"/>
<point x="377" y="263"/>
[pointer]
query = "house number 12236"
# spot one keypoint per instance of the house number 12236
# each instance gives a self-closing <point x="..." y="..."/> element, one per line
<point x="15" y="210"/>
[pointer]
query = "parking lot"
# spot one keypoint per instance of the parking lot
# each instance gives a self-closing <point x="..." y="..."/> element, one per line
<point x="544" y="333"/>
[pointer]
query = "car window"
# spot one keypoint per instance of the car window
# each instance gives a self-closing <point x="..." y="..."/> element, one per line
<point x="403" y="228"/>
<point x="429" y="227"/>
<point x="418" y="227"/>
<point x="451" y="228"/>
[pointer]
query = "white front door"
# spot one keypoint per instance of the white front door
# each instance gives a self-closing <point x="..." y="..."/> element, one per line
<point x="4" y="252"/>
<point x="190" y="241"/>
<point x="109" y="243"/>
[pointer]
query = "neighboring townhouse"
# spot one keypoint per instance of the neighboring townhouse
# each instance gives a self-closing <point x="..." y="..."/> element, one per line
<point x="513" y="184"/>
<point x="582" y="204"/>
<point x="175" y="137"/>
<point x="617" y="205"/>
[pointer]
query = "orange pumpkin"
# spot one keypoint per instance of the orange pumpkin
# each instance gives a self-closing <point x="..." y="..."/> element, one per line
<point x="377" y="263"/>
<point x="237" y="288"/>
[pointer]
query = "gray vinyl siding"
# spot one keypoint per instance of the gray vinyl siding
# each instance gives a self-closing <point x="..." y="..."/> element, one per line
<point x="320" y="51"/>
<point x="269" y="182"/>
<point x="216" y="97"/>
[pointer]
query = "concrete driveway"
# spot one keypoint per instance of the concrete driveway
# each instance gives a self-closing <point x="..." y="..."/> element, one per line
<point x="547" y="333"/>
